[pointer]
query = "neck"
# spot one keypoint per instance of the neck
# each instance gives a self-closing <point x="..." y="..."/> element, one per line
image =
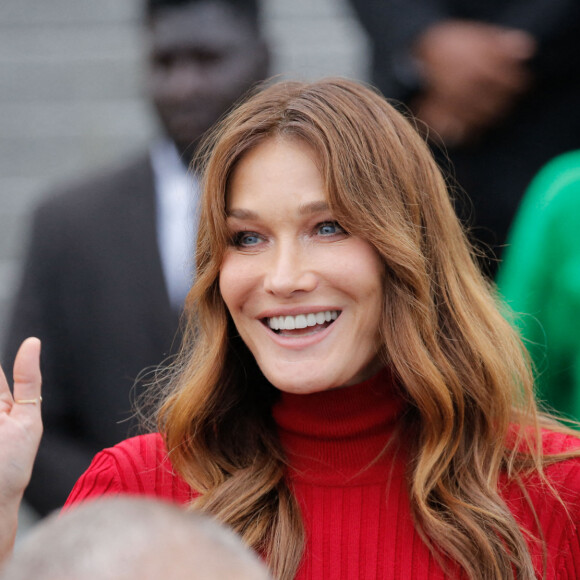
<point x="344" y="436"/>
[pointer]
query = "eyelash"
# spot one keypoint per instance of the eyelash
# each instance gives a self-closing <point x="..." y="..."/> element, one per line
<point x="238" y="237"/>
<point x="335" y="224"/>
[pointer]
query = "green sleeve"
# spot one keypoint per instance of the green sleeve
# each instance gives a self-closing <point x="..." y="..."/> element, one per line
<point x="540" y="280"/>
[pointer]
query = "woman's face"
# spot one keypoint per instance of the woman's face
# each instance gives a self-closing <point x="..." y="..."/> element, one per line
<point x="304" y="295"/>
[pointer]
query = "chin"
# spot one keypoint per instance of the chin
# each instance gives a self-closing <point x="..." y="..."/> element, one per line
<point x="305" y="381"/>
<point x="303" y="384"/>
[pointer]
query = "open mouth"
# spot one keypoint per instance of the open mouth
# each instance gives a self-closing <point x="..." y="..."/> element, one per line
<point x="302" y="323"/>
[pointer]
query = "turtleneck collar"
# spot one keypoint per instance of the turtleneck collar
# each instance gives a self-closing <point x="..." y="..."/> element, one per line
<point x="337" y="437"/>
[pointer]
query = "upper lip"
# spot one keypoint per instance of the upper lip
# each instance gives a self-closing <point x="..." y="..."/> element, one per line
<point x="295" y="311"/>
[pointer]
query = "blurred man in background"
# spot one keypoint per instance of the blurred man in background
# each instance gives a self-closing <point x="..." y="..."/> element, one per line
<point x="110" y="258"/>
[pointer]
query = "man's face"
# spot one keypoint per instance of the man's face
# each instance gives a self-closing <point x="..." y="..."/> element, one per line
<point x="204" y="56"/>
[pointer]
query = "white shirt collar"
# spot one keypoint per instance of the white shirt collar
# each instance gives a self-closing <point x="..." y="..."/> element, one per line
<point x="177" y="193"/>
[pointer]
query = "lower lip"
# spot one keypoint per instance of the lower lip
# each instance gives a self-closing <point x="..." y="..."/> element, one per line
<point x="302" y="341"/>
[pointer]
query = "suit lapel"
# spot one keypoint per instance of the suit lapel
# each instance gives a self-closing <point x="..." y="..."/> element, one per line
<point x="147" y="267"/>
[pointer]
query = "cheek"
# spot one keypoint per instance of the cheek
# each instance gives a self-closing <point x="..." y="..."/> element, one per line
<point x="227" y="282"/>
<point x="362" y="271"/>
<point x="235" y="282"/>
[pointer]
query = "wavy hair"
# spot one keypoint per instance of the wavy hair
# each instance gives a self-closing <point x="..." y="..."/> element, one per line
<point x="461" y="367"/>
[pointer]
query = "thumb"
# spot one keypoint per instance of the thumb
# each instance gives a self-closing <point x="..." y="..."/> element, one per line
<point x="27" y="377"/>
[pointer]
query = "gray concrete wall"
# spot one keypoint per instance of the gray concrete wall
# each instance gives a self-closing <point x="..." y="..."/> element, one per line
<point x="71" y="98"/>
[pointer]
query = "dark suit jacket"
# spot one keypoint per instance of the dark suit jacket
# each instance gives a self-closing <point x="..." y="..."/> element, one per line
<point x="93" y="291"/>
<point x="496" y="170"/>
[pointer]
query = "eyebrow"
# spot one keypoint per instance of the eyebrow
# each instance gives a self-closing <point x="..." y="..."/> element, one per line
<point x="304" y="210"/>
<point x="242" y="214"/>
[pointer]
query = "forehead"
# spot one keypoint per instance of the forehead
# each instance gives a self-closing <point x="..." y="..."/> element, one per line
<point x="210" y="24"/>
<point x="276" y="172"/>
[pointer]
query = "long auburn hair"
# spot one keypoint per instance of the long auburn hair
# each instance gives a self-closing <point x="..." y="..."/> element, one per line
<point x="460" y="365"/>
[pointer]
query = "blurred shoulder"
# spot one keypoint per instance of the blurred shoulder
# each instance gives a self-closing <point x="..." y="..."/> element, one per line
<point x="100" y="189"/>
<point x="556" y="186"/>
<point x="561" y="165"/>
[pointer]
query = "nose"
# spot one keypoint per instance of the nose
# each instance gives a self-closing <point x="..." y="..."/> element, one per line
<point x="290" y="271"/>
<point x="186" y="78"/>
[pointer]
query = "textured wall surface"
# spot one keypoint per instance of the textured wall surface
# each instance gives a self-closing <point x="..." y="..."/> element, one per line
<point x="71" y="98"/>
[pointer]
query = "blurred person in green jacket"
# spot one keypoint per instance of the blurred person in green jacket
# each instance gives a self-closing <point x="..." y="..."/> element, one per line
<point x="540" y="281"/>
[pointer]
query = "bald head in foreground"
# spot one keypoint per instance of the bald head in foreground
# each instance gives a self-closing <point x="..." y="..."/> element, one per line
<point x="132" y="539"/>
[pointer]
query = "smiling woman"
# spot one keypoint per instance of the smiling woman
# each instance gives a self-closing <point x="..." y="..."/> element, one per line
<point x="291" y="266"/>
<point x="348" y="397"/>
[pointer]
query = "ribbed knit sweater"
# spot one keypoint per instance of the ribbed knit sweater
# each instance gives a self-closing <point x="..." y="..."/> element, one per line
<point x="352" y="492"/>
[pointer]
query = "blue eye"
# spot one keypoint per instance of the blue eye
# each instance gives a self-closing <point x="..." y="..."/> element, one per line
<point x="246" y="239"/>
<point x="329" y="229"/>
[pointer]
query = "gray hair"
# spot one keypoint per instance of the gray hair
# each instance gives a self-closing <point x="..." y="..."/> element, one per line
<point x="129" y="538"/>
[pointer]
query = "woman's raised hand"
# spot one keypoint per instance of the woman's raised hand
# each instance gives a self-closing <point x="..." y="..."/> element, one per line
<point x="20" y="432"/>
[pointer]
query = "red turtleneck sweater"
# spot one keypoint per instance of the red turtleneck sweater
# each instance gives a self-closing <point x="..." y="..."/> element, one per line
<point x="354" y="498"/>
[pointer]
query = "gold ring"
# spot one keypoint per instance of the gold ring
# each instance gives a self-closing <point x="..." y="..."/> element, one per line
<point x="28" y="401"/>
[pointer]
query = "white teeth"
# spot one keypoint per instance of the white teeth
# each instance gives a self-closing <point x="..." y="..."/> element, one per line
<point x="301" y="320"/>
